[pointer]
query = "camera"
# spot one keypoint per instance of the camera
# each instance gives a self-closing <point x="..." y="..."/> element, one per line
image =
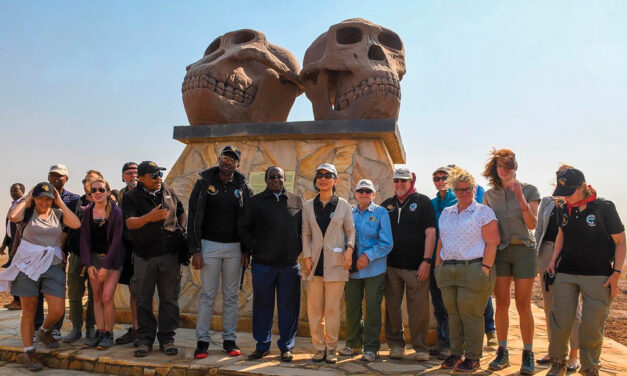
<point x="548" y="279"/>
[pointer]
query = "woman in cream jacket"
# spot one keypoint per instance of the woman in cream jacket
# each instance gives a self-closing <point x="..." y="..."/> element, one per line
<point x="328" y="239"/>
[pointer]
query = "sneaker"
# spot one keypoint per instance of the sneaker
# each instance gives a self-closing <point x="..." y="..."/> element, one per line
<point x="56" y="333"/>
<point x="492" y="340"/>
<point x="106" y="341"/>
<point x="451" y="361"/>
<point x="590" y="372"/>
<point x="422" y="356"/>
<point x="74" y="335"/>
<point x="558" y="368"/>
<point x="13" y="306"/>
<point x="369" y="356"/>
<point x="319" y="356"/>
<point x="91" y="332"/>
<point x="202" y="348"/>
<point x="286" y="356"/>
<point x="397" y="352"/>
<point x="127" y="338"/>
<point x="501" y="361"/>
<point x="349" y="351"/>
<point x="257" y="354"/>
<point x="94" y="341"/>
<point x="231" y="348"/>
<point x="468" y="365"/>
<point x="47" y="339"/>
<point x="331" y="356"/>
<point x="32" y="361"/>
<point x="528" y="365"/>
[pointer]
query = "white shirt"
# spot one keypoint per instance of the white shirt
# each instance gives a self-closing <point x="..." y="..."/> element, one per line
<point x="31" y="259"/>
<point x="461" y="233"/>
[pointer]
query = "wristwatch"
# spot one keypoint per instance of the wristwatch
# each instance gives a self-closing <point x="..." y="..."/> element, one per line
<point x="428" y="260"/>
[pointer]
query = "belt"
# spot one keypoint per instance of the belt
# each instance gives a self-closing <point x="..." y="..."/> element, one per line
<point x="516" y="241"/>
<point x="464" y="262"/>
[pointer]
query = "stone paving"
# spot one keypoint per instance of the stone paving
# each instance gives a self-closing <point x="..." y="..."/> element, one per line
<point x="119" y="360"/>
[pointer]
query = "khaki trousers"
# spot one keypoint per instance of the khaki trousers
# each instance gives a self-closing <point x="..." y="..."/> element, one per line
<point x="544" y="259"/>
<point x="397" y="283"/>
<point x="595" y="309"/>
<point x="323" y="312"/>
<point x="465" y="292"/>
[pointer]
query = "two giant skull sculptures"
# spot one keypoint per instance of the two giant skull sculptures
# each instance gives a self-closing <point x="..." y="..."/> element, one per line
<point x="352" y="71"/>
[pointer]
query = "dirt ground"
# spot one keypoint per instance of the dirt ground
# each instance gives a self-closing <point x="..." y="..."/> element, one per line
<point x="615" y="327"/>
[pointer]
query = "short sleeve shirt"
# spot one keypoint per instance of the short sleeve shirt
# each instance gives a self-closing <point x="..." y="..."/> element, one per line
<point x="511" y="222"/>
<point x="461" y="232"/>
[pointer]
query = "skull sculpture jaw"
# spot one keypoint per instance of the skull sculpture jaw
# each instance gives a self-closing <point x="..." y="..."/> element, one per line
<point x="242" y="78"/>
<point x="353" y="71"/>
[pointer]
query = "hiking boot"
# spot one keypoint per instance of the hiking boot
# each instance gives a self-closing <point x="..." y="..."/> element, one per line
<point x="106" y="341"/>
<point x="168" y="349"/>
<point x="451" y="361"/>
<point x="128" y="337"/>
<point x="32" y="361"/>
<point x="13" y="306"/>
<point x="397" y="352"/>
<point x="444" y="353"/>
<point x="90" y="332"/>
<point x="231" y="348"/>
<point x="202" y="348"/>
<point x="558" y="368"/>
<point x="528" y="365"/>
<point x="56" y="333"/>
<point x="74" y="335"/>
<point x="94" y="341"/>
<point x="258" y="354"/>
<point x="47" y="339"/>
<point x="286" y="356"/>
<point x="501" y="361"/>
<point x="468" y="365"/>
<point x="319" y="356"/>
<point x="349" y="351"/>
<point x="142" y="350"/>
<point x="369" y="356"/>
<point x="331" y="356"/>
<point x="492" y="340"/>
<point x="590" y="372"/>
<point x="437" y="348"/>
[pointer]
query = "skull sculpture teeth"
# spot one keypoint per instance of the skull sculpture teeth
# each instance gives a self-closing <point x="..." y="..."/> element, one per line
<point x="241" y="78"/>
<point x="353" y="71"/>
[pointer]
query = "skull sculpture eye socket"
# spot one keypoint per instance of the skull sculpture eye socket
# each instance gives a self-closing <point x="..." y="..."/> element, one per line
<point x="213" y="47"/>
<point x="348" y="35"/>
<point x="390" y="39"/>
<point x="243" y="37"/>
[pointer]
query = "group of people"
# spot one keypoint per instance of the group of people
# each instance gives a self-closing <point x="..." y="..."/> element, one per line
<point x="461" y="247"/>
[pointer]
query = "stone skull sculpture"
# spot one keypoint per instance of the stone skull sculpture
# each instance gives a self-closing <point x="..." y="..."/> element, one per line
<point x="241" y="78"/>
<point x="353" y="71"/>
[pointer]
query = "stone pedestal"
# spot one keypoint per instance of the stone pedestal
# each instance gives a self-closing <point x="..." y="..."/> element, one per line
<point x="360" y="149"/>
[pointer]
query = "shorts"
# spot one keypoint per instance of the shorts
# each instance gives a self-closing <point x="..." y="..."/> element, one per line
<point x="98" y="258"/>
<point x="52" y="282"/>
<point x="516" y="260"/>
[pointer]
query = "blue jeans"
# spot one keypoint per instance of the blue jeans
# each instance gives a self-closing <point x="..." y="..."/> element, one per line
<point x="488" y="317"/>
<point x="285" y="281"/>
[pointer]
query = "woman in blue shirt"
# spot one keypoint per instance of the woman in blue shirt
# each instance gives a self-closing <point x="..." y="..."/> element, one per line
<point x="372" y="245"/>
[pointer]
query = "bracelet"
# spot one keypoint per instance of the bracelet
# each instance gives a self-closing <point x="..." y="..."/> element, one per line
<point x="485" y="266"/>
<point x="617" y="271"/>
<point x="428" y="260"/>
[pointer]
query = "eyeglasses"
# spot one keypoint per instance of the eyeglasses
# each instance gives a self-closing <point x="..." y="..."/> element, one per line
<point x="364" y="190"/>
<point x="275" y="177"/>
<point x="327" y="175"/>
<point x="226" y="158"/>
<point x="439" y="178"/>
<point x="157" y="174"/>
<point x="463" y="190"/>
<point x="400" y="180"/>
<point x="101" y="190"/>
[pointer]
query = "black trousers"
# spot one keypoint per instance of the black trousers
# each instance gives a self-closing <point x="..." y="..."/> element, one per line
<point x="164" y="273"/>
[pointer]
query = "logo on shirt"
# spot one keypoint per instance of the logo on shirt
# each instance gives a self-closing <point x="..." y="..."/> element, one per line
<point x="390" y="207"/>
<point x="413" y="206"/>
<point x="332" y="214"/>
<point x="212" y="190"/>
<point x="372" y="219"/>
<point x="564" y="219"/>
<point x="236" y="192"/>
<point x="591" y="220"/>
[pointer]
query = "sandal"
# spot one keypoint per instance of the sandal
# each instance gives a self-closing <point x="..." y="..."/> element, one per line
<point x="142" y="351"/>
<point x="169" y="349"/>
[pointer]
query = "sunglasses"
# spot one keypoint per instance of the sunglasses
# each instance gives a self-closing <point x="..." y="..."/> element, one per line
<point x="328" y="175"/>
<point x="226" y="158"/>
<point x="157" y="174"/>
<point x="439" y="178"/>
<point x="101" y="190"/>
<point x="400" y="180"/>
<point x="364" y="190"/>
<point x="464" y="190"/>
<point x="275" y="177"/>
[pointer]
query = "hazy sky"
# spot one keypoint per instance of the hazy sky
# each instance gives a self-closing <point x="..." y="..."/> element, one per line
<point x="95" y="84"/>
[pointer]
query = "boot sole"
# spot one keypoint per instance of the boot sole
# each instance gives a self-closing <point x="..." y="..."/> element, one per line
<point x="498" y="368"/>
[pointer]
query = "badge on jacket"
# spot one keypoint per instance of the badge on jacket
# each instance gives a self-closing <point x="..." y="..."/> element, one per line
<point x="211" y="190"/>
<point x="413" y="206"/>
<point x="236" y="193"/>
<point x="390" y="207"/>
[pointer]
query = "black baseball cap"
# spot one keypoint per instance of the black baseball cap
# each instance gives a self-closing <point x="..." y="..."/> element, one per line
<point x="148" y="167"/>
<point x="568" y="181"/>
<point x="128" y="166"/>
<point x="44" y="189"/>
<point x="233" y="150"/>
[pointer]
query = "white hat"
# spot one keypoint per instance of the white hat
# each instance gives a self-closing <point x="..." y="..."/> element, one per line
<point x="59" y="169"/>
<point x="365" y="183"/>
<point x="329" y="167"/>
<point x="402" y="173"/>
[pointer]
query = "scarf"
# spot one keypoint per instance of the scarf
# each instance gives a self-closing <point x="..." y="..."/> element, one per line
<point x="411" y="190"/>
<point x="577" y="204"/>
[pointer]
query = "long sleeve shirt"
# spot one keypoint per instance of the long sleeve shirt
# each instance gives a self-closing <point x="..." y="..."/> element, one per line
<point x="374" y="238"/>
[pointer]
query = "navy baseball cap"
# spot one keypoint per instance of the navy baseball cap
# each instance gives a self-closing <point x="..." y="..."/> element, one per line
<point x="233" y="150"/>
<point x="148" y="167"/>
<point x="44" y="189"/>
<point x="568" y="181"/>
